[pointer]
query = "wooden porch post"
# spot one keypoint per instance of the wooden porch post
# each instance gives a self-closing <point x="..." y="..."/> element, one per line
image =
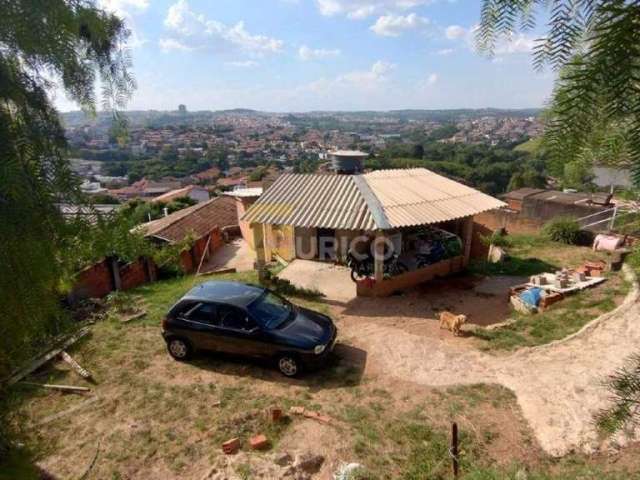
<point x="378" y="257"/>
<point x="467" y="236"/>
<point x="258" y="244"/>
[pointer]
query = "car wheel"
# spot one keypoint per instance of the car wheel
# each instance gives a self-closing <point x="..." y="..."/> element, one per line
<point x="289" y="365"/>
<point x="179" y="349"/>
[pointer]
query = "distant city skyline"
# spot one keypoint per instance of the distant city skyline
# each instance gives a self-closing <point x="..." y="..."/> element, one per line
<point x="303" y="55"/>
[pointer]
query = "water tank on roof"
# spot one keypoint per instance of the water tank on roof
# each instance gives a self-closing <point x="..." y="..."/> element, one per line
<point x="347" y="161"/>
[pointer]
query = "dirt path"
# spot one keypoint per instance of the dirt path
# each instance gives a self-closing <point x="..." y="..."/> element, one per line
<point x="558" y="385"/>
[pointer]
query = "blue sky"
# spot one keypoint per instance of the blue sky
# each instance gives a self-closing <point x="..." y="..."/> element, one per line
<point x="301" y="55"/>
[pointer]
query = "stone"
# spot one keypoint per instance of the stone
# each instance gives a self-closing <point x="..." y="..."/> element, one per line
<point x="283" y="459"/>
<point x="309" y="462"/>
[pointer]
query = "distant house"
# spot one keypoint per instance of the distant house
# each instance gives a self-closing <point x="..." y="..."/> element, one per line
<point x="207" y="223"/>
<point x="194" y="192"/>
<point x="144" y="189"/>
<point x="530" y="208"/>
<point x="321" y="216"/>
<point x="207" y="175"/>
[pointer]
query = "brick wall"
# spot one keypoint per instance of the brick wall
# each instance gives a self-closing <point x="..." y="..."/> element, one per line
<point x="136" y="273"/>
<point x="93" y="282"/>
<point x="97" y="281"/>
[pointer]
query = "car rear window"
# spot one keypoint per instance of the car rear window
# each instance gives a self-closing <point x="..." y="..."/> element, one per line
<point x="181" y="308"/>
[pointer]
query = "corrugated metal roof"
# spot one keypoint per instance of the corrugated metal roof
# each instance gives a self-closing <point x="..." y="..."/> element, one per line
<point x="312" y="200"/>
<point x="396" y="198"/>
<point x="417" y="196"/>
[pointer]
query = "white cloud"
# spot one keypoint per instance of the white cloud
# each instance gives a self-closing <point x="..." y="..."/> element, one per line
<point x="243" y="64"/>
<point x="432" y="79"/>
<point x="445" y="51"/>
<point x="306" y="53"/>
<point x="197" y="32"/>
<point x="513" y="43"/>
<point x="119" y="6"/>
<point x="454" y="32"/>
<point x="508" y="44"/>
<point x="367" y="79"/>
<point x="395" y="25"/>
<point x="358" y="9"/>
<point x="168" y="44"/>
<point x="126" y="10"/>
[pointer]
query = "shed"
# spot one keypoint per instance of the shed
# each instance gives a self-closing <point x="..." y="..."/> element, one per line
<point x="321" y="216"/>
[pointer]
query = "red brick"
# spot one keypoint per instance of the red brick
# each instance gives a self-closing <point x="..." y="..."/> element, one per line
<point x="275" y="414"/>
<point x="231" y="446"/>
<point x="259" y="442"/>
<point x="324" y="419"/>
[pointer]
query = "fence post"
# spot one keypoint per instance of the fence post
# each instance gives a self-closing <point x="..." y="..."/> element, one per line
<point x="613" y="217"/>
<point x="454" y="449"/>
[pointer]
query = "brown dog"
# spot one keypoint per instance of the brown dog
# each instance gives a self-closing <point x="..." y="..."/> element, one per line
<point x="452" y="322"/>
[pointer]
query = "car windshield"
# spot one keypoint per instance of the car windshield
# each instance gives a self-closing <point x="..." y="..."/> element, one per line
<point x="270" y="310"/>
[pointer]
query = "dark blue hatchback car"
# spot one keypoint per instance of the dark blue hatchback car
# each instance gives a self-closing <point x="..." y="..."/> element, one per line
<point x="243" y="319"/>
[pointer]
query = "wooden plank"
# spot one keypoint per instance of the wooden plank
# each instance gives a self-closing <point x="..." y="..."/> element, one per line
<point x="44" y="358"/>
<point x="75" y="365"/>
<point x="64" y="388"/>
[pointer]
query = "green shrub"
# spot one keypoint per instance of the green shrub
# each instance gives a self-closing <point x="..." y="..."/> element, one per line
<point x="497" y="239"/>
<point x="563" y="230"/>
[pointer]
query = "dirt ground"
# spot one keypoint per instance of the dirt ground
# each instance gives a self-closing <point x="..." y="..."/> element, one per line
<point x="395" y="385"/>
<point x="406" y="344"/>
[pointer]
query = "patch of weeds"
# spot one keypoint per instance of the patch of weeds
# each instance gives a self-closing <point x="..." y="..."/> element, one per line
<point x="244" y="471"/>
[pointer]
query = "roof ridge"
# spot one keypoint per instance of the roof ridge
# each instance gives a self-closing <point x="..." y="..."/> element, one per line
<point x="372" y="202"/>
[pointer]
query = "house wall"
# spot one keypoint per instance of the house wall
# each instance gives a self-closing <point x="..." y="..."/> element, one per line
<point x="281" y="241"/>
<point x="242" y="204"/>
<point x="306" y="242"/>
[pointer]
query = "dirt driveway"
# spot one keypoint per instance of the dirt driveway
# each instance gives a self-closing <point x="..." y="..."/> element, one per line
<point x="558" y="385"/>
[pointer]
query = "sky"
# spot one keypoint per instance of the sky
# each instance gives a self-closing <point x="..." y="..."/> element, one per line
<point x="302" y="55"/>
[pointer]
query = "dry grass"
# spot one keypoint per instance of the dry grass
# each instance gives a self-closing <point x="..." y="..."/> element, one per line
<point x="157" y="418"/>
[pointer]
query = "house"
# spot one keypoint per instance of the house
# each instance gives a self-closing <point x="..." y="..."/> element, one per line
<point x="144" y="189"/>
<point x="207" y="223"/>
<point x="194" y="192"/>
<point x="530" y="208"/>
<point x="326" y="216"/>
<point x="244" y="198"/>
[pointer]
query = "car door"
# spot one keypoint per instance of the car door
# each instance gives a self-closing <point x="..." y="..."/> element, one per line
<point x="202" y="320"/>
<point x="239" y="334"/>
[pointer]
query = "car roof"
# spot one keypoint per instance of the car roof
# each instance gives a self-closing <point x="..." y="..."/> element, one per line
<point x="233" y="293"/>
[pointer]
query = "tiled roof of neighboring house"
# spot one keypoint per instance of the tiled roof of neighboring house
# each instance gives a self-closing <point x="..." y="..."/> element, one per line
<point x="522" y="193"/>
<point x="197" y="220"/>
<point x="145" y="187"/>
<point x="230" y="182"/>
<point x="180" y="192"/>
<point x="382" y="199"/>
<point x="208" y="174"/>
